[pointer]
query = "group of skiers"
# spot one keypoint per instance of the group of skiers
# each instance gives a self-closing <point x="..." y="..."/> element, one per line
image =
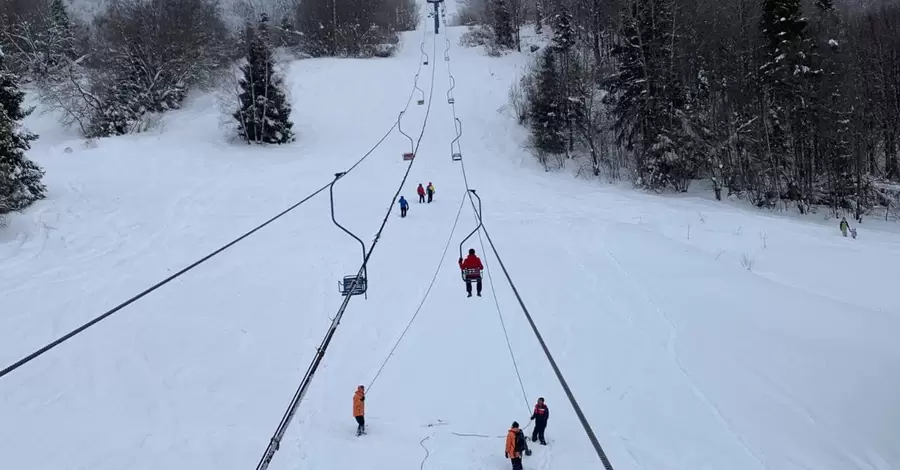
<point x="422" y="191"/>
<point x="471" y="267"/>
<point x="516" y="442"/>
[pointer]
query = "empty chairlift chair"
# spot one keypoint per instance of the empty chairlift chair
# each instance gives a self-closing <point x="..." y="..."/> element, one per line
<point x="457" y="155"/>
<point x="352" y="284"/>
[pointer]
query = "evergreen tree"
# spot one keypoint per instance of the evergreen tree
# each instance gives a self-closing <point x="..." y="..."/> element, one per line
<point x="503" y="26"/>
<point x="538" y="16"/>
<point x="563" y="31"/>
<point x="563" y="43"/>
<point x="264" y="114"/>
<point x="61" y="30"/>
<point x="20" y="178"/>
<point x="791" y="74"/>
<point x="785" y="71"/>
<point x="648" y="100"/>
<point x="546" y="113"/>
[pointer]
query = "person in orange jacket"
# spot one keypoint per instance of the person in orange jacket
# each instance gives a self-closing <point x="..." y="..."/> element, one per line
<point x="472" y="267"/>
<point x="359" y="409"/>
<point x="515" y="444"/>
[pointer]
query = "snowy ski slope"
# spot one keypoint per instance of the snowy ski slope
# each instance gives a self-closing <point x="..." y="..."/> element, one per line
<point x="681" y="358"/>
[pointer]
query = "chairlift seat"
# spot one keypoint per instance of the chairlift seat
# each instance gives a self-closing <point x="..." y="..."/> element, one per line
<point x="421" y="102"/>
<point x="347" y="286"/>
<point x="457" y="157"/>
<point x="408" y="156"/>
<point x="451" y="100"/>
<point x="471" y="274"/>
<point x="424" y="62"/>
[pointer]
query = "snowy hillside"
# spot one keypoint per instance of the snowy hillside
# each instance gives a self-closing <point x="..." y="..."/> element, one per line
<point x="695" y="334"/>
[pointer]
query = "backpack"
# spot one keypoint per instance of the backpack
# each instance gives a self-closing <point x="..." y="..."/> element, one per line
<point x="521" y="445"/>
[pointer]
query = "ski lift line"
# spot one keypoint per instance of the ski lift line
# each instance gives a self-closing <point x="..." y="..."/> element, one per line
<point x="275" y="441"/>
<point x="62" y="339"/>
<point x="107" y="314"/>
<point x="500" y="315"/>
<point x="437" y="270"/>
<point x="581" y="417"/>
<point x="457" y="156"/>
<point x="478" y="218"/>
<point x="601" y="454"/>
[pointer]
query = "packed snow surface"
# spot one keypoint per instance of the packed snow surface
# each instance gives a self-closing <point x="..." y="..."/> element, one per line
<point x="695" y="334"/>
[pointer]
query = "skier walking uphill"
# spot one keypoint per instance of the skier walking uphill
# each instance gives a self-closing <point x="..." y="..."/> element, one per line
<point x="540" y="416"/>
<point x="421" y="192"/>
<point x="471" y="268"/>
<point x="404" y="206"/>
<point x="359" y="409"/>
<point x="430" y="191"/>
<point x="515" y="444"/>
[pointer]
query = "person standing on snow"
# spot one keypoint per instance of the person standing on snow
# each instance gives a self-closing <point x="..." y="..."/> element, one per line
<point x="421" y="192"/>
<point x="515" y="444"/>
<point x="844" y="226"/>
<point x="404" y="206"/>
<point x="430" y="191"/>
<point x="359" y="409"/>
<point x="540" y="416"/>
<point x="471" y="268"/>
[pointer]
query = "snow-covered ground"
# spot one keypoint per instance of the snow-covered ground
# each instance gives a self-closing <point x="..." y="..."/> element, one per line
<point x="680" y="356"/>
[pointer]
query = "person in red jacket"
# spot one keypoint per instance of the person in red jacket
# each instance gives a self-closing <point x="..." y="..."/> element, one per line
<point x="421" y="192"/>
<point x="471" y="268"/>
<point x="540" y="416"/>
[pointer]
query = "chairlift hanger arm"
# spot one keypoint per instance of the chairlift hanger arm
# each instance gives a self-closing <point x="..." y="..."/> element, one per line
<point x="412" y="143"/>
<point x="338" y="176"/>
<point x="476" y="228"/>
<point x="458" y="154"/>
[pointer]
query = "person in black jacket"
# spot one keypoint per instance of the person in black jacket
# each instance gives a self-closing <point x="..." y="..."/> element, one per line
<point x="540" y="416"/>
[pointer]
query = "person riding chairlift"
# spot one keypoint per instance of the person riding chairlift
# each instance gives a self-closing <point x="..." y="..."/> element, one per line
<point x="471" y="268"/>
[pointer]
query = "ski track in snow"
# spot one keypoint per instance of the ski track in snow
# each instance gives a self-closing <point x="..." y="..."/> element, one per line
<point x="680" y="358"/>
<point x="671" y="347"/>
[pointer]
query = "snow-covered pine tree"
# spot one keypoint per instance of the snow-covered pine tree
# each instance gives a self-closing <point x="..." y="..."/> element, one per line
<point x="503" y="25"/>
<point x="647" y="95"/>
<point x="831" y="111"/>
<point x="287" y="33"/>
<point x="20" y="178"/>
<point x="538" y="16"/>
<point x="62" y="31"/>
<point x="563" y="30"/>
<point x="545" y="110"/>
<point x="564" y="43"/>
<point x="264" y="113"/>
<point x="54" y="44"/>
<point x="786" y="74"/>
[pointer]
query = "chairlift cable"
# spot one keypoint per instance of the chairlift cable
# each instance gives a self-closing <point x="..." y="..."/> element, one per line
<point x="437" y="270"/>
<point x="275" y="441"/>
<point x="601" y="454"/>
<point x="53" y="344"/>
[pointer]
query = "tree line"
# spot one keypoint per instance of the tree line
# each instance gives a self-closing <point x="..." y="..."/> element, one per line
<point x="782" y="102"/>
<point x="137" y="59"/>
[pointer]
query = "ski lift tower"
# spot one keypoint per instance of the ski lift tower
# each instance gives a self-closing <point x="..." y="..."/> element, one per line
<point x="437" y="15"/>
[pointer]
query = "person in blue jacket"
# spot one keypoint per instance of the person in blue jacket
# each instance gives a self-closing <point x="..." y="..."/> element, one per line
<point x="404" y="206"/>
